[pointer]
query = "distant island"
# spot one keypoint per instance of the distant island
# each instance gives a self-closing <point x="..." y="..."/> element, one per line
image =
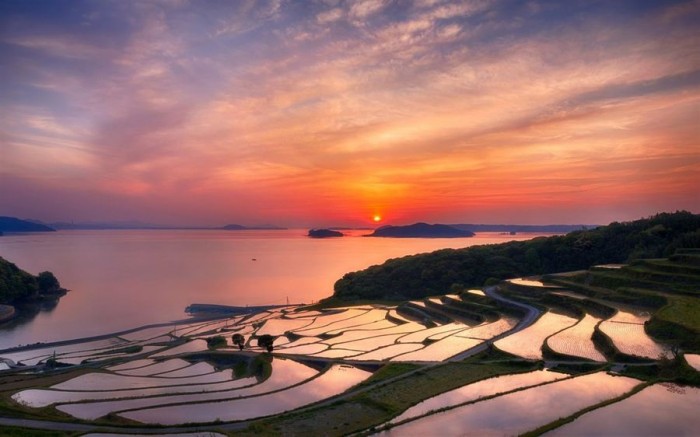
<point x="235" y="227"/>
<point x="324" y="233"/>
<point x="421" y="230"/>
<point x="13" y="224"/>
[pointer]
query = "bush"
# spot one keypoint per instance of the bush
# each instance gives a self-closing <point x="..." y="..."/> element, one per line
<point x="216" y="342"/>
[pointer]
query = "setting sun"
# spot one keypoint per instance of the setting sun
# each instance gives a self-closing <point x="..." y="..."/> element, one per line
<point x="377" y="218"/>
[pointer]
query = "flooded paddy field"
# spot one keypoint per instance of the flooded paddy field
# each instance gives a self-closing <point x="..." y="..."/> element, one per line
<point x="473" y="392"/>
<point x="528" y="342"/>
<point x="521" y="411"/>
<point x="626" y="330"/>
<point x="661" y="409"/>
<point x="576" y="340"/>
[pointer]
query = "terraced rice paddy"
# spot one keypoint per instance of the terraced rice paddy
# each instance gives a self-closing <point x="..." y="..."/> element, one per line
<point x="35" y="356"/>
<point x="529" y="283"/>
<point x="576" y="341"/>
<point x="280" y="326"/>
<point x="150" y="367"/>
<point x="521" y="411"/>
<point x="287" y="374"/>
<point x="528" y="342"/>
<point x="334" y="381"/>
<point x="489" y="330"/>
<point x="693" y="360"/>
<point x="626" y="330"/>
<point x="659" y="410"/>
<point x="184" y="434"/>
<point x="472" y="392"/>
<point x="440" y="350"/>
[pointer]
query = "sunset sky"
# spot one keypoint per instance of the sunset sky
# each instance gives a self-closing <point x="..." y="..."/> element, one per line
<point x="315" y="113"/>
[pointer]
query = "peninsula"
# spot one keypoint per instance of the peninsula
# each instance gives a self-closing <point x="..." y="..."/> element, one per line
<point x="19" y="288"/>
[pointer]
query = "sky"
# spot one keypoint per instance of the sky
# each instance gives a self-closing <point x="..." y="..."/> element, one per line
<point x="331" y="112"/>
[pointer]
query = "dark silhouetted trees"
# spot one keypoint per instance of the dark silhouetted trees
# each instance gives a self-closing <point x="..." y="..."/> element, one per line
<point x="216" y="342"/>
<point x="238" y="340"/>
<point x="266" y="341"/>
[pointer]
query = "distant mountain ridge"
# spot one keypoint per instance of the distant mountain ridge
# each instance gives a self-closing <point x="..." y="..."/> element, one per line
<point x="555" y="229"/>
<point x="106" y="226"/>
<point x="421" y="230"/>
<point x="95" y="226"/>
<point x="13" y="224"/>
<point x="235" y="227"/>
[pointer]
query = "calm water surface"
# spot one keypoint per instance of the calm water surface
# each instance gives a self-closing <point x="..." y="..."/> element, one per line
<point x="519" y="412"/>
<point x="659" y="410"/>
<point x="123" y="279"/>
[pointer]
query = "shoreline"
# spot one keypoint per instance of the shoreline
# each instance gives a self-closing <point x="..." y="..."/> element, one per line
<point x="7" y="313"/>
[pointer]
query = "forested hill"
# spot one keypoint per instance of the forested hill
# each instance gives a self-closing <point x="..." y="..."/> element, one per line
<point x="16" y="285"/>
<point x="454" y="269"/>
<point x="12" y="224"/>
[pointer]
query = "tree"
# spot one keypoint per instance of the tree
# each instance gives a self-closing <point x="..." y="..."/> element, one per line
<point x="48" y="283"/>
<point x="216" y="342"/>
<point x="266" y="341"/>
<point x="238" y="340"/>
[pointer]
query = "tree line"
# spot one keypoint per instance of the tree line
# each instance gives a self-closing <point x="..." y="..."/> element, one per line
<point x="448" y="270"/>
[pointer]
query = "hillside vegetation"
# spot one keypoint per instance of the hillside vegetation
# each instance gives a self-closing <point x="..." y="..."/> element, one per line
<point x="16" y="285"/>
<point x="455" y="269"/>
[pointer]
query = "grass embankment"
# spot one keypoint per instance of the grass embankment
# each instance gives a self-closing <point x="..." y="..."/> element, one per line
<point x="679" y="321"/>
<point x="389" y="397"/>
<point x="11" y="431"/>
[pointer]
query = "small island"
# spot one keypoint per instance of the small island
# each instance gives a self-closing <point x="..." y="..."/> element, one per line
<point x="421" y="230"/>
<point x="237" y="227"/>
<point x="324" y="233"/>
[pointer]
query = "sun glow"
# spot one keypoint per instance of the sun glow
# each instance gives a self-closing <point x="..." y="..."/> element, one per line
<point x="377" y="218"/>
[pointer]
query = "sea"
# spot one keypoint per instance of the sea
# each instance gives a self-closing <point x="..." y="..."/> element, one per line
<point x="122" y="279"/>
